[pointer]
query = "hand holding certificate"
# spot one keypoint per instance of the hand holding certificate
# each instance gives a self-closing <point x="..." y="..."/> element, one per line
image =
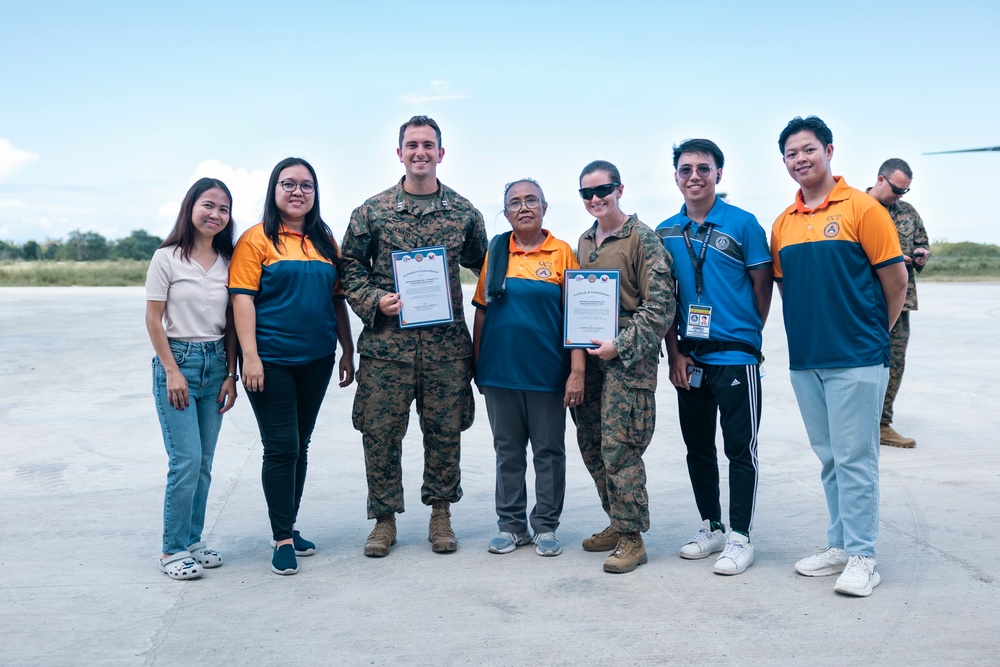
<point x="591" y="306"/>
<point x="424" y="288"/>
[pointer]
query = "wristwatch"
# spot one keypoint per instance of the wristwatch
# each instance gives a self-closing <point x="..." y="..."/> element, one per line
<point x="235" y="376"/>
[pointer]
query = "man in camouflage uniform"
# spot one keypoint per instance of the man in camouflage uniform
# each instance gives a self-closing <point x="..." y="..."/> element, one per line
<point x="433" y="364"/>
<point x="893" y="182"/>
<point x="616" y="420"/>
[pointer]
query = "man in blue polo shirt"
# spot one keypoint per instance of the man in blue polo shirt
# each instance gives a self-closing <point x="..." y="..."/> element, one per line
<point x="722" y="265"/>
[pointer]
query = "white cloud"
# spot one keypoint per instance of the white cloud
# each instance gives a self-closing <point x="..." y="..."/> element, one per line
<point x="169" y="210"/>
<point x="248" y="188"/>
<point x="12" y="204"/>
<point x="439" y="91"/>
<point x="12" y="159"/>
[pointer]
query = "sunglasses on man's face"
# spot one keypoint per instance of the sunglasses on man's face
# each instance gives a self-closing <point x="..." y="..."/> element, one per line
<point x="899" y="192"/>
<point x="601" y="191"/>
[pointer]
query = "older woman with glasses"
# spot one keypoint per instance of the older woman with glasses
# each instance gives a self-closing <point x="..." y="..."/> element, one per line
<point x="524" y="372"/>
<point x="290" y="314"/>
<point x="615" y="423"/>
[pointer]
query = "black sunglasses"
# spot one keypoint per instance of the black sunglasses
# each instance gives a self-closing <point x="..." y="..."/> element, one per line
<point x="601" y="190"/>
<point x="899" y="192"/>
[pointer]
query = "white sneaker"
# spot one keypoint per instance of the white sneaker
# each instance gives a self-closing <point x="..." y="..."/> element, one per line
<point x="830" y="560"/>
<point x="859" y="577"/>
<point x="736" y="557"/>
<point x="705" y="543"/>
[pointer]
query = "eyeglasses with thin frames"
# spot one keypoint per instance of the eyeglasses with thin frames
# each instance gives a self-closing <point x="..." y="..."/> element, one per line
<point x="514" y="205"/>
<point x="307" y="187"/>
<point x="703" y="170"/>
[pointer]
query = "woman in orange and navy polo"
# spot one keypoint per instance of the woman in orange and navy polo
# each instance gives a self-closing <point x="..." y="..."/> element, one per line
<point x="526" y="375"/>
<point x="290" y="313"/>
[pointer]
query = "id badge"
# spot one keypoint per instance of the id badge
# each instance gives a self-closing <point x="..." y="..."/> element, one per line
<point x="699" y="321"/>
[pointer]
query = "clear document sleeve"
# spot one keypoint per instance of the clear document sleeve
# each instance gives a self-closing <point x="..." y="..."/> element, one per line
<point x="590" y="300"/>
<point x="424" y="286"/>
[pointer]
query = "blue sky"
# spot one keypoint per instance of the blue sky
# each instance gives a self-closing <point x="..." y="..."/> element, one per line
<point x="108" y="112"/>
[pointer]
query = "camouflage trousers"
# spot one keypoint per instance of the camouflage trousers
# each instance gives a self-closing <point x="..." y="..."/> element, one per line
<point x="899" y="336"/>
<point x="381" y="412"/>
<point x="614" y="425"/>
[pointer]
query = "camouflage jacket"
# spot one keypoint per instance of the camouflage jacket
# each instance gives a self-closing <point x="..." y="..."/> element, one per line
<point x="912" y="235"/>
<point x="647" y="296"/>
<point x="391" y="221"/>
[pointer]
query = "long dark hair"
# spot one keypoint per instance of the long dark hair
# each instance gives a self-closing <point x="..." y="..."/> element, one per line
<point x="182" y="235"/>
<point x="317" y="230"/>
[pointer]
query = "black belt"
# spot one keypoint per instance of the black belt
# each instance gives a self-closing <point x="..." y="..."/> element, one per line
<point x="689" y="346"/>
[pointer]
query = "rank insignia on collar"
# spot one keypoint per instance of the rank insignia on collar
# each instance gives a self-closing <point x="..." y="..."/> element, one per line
<point x="399" y="205"/>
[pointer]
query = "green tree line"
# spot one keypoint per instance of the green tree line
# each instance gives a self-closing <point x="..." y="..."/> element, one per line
<point x="83" y="247"/>
<point x="953" y="260"/>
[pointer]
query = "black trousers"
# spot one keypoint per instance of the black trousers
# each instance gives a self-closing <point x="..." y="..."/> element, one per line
<point x="733" y="393"/>
<point x="286" y="412"/>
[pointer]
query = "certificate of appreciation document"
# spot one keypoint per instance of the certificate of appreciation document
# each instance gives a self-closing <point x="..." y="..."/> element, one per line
<point x="422" y="282"/>
<point x="591" y="306"/>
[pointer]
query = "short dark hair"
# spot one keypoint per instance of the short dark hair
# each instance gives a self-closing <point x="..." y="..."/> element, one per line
<point x="895" y="164"/>
<point x="506" y="188"/>
<point x="419" y="121"/>
<point x="810" y="124"/>
<point x="314" y="227"/>
<point x="182" y="235"/>
<point x="699" y="146"/>
<point x="602" y="165"/>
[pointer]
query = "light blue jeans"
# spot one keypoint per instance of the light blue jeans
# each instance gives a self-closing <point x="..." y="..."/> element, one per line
<point x="189" y="436"/>
<point x="841" y="408"/>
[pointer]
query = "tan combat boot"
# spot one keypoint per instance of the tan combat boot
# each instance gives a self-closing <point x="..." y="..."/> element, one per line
<point x="440" y="534"/>
<point x="630" y="554"/>
<point x="382" y="536"/>
<point x="606" y="540"/>
<point x="888" y="436"/>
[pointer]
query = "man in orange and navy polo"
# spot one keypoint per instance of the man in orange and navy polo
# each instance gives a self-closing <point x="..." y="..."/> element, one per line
<point x="840" y="271"/>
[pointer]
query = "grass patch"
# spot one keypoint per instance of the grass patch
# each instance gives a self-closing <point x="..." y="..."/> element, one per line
<point x="962" y="261"/>
<point x="961" y="268"/>
<point x="118" y="273"/>
<point x="128" y="273"/>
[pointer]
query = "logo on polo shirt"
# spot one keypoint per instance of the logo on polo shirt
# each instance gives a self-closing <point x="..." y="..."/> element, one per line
<point x="831" y="230"/>
<point x="722" y="243"/>
<point x="542" y="272"/>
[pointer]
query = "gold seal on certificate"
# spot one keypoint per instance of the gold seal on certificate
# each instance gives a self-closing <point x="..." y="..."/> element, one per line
<point x="422" y="281"/>
<point x="591" y="306"/>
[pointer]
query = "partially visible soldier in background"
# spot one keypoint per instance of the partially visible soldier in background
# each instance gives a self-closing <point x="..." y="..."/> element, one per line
<point x="893" y="182"/>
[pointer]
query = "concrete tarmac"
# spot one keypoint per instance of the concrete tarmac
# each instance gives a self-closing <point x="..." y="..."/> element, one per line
<point x="81" y="492"/>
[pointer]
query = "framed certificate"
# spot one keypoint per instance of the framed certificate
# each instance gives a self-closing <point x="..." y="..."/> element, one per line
<point x="590" y="300"/>
<point x="424" y="287"/>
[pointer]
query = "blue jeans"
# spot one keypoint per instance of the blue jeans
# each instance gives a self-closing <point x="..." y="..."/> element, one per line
<point x="189" y="436"/>
<point x="841" y="408"/>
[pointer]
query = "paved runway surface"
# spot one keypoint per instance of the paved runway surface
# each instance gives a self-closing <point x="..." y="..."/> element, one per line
<point x="81" y="488"/>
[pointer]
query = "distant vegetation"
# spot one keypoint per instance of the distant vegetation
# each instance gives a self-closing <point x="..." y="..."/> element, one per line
<point x="962" y="261"/>
<point x="107" y="273"/>
<point x="89" y="259"/>
<point x="84" y="247"/>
